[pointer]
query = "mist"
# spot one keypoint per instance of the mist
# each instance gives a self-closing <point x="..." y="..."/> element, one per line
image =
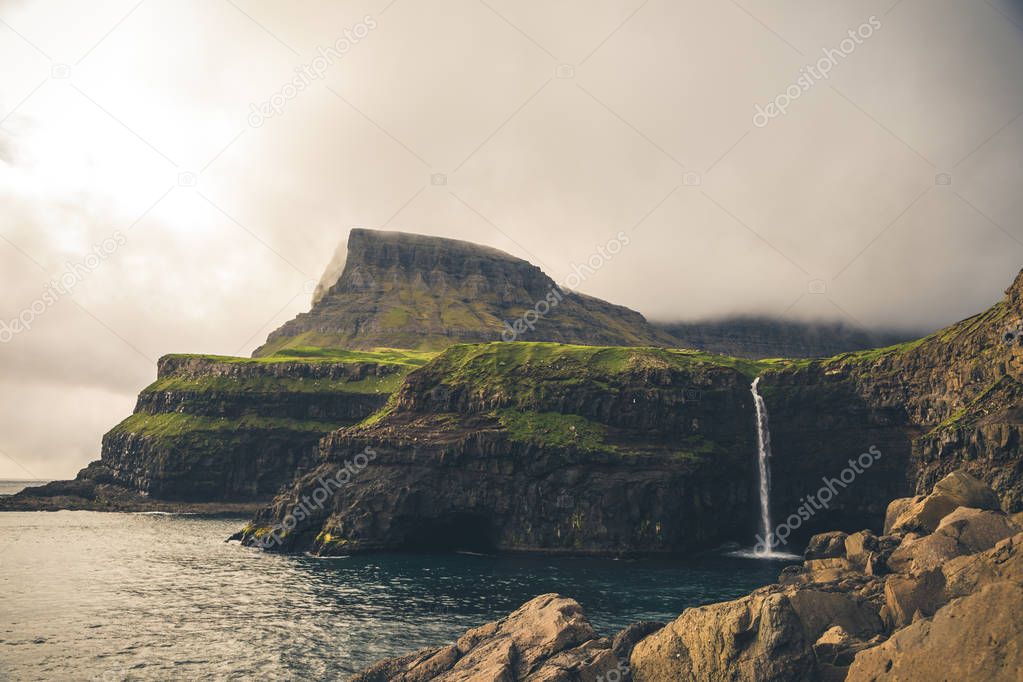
<point x="233" y="145"/>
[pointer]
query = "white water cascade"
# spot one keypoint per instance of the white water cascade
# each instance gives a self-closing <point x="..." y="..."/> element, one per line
<point x="763" y="549"/>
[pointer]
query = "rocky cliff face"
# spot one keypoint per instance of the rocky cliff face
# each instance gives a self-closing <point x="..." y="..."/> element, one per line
<point x="948" y="401"/>
<point x="537" y="447"/>
<point x="402" y="290"/>
<point x="219" y="429"/>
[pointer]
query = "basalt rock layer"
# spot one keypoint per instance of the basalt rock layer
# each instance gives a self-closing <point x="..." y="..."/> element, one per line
<point x="225" y="430"/>
<point x="538" y="447"/>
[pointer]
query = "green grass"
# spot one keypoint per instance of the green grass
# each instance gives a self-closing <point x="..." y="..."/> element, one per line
<point x="175" y="424"/>
<point x="508" y="360"/>
<point x="372" y="385"/>
<point x="403" y="362"/>
<point x="554" y="430"/>
<point x="380" y="356"/>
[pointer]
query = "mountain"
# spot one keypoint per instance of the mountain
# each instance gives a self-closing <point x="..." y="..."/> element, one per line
<point x="401" y="290"/>
<point x="765" y="337"/>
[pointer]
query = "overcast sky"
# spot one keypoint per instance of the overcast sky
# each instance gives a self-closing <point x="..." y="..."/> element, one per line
<point x="887" y="194"/>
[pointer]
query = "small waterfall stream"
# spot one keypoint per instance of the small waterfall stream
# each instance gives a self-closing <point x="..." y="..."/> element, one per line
<point x="763" y="466"/>
<point x="763" y="548"/>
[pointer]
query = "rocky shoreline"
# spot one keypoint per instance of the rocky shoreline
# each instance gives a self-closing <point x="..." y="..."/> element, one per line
<point x="947" y="576"/>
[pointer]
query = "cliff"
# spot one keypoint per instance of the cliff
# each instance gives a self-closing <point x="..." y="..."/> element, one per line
<point x="403" y="290"/>
<point x="951" y="400"/>
<point x="226" y="431"/>
<point x="538" y="447"/>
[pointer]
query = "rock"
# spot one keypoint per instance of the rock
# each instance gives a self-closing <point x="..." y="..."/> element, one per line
<point x="835" y="651"/>
<point x="979" y="637"/>
<point x="826" y="546"/>
<point x="906" y="596"/>
<point x="548" y="639"/>
<point x="967" y="491"/>
<point x="1004" y="562"/>
<point x="860" y="546"/>
<point x="895" y="510"/>
<point x="965" y="531"/>
<point x="924" y="553"/>
<point x="1017" y="519"/>
<point x="826" y="570"/>
<point x="976" y="530"/>
<point x="767" y="635"/>
<point x="924" y="515"/>
<point x="626" y="640"/>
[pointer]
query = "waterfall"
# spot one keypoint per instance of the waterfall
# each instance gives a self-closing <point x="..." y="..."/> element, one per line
<point x="763" y="549"/>
<point x="763" y="465"/>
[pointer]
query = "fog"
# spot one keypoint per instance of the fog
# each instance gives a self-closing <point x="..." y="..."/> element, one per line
<point x="885" y="195"/>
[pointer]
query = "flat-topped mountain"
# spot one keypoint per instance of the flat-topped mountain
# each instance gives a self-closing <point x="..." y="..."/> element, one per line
<point x="402" y="290"/>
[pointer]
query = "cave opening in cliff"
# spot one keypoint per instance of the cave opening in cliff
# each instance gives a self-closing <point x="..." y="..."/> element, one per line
<point x="451" y="533"/>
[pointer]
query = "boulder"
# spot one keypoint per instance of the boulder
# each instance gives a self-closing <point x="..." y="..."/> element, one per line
<point x="905" y="596"/>
<point x="859" y="547"/>
<point x="979" y="637"/>
<point x="924" y="514"/>
<point x="923" y="554"/>
<point x="965" y="531"/>
<point x="977" y="530"/>
<point x="767" y="635"/>
<point x="1004" y="562"/>
<point x="895" y="509"/>
<point x="835" y="651"/>
<point x="826" y="546"/>
<point x="548" y="639"/>
<point x="626" y="640"/>
<point x="826" y="570"/>
<point x="967" y="491"/>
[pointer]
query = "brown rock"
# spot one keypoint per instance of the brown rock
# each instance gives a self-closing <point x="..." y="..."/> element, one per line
<point x="979" y="637"/>
<point x="907" y="595"/>
<point x="826" y="546"/>
<point x="967" y="491"/>
<point x="895" y="510"/>
<point x="920" y="555"/>
<point x="626" y="640"/>
<point x="977" y="530"/>
<point x="1004" y="562"/>
<point x="546" y="640"/>
<point x="859" y="546"/>
<point x="924" y="515"/>
<point x="767" y="635"/>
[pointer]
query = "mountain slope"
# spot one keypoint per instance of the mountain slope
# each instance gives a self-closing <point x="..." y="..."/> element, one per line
<point x="403" y="290"/>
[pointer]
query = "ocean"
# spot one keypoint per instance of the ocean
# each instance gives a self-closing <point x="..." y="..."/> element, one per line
<point x="114" y="596"/>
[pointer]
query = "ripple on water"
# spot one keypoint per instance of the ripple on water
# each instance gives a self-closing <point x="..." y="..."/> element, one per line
<point x="154" y="596"/>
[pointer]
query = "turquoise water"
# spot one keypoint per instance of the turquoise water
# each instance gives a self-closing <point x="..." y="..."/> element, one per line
<point x="91" y="596"/>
